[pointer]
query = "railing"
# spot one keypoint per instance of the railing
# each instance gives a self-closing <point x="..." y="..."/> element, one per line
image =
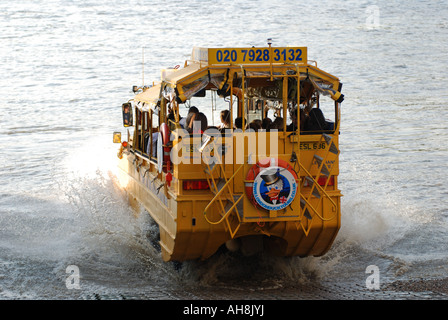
<point x="317" y="191"/>
<point x="223" y="193"/>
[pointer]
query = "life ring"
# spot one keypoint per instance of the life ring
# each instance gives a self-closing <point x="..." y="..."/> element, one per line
<point x="271" y="184"/>
<point x="163" y="148"/>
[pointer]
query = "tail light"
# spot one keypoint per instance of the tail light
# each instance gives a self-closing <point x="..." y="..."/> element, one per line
<point x="195" y="185"/>
<point x="323" y="180"/>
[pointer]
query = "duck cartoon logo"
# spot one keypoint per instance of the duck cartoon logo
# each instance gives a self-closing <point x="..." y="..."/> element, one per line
<point x="274" y="188"/>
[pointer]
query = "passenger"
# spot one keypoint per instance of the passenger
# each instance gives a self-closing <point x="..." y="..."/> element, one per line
<point x="198" y="124"/>
<point x="225" y="120"/>
<point x="184" y="121"/>
<point x="255" y="125"/>
<point x="266" y="123"/>
<point x="277" y="124"/>
<point x="155" y="136"/>
<point x="190" y="119"/>
<point x="316" y="120"/>
<point x="293" y="125"/>
<point x="126" y="115"/>
<point x="171" y="119"/>
<point x="239" y="123"/>
<point x="303" y="119"/>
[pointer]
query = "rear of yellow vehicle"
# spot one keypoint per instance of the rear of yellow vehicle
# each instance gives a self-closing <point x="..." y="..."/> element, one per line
<point x="275" y="190"/>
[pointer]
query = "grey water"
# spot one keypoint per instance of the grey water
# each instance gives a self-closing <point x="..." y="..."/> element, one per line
<point x="66" y="67"/>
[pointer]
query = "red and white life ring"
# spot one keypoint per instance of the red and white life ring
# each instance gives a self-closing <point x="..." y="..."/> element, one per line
<point x="271" y="184"/>
<point x="163" y="148"/>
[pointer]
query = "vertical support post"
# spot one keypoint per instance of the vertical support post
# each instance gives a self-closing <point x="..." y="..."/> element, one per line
<point x="270" y="57"/>
<point x="297" y="145"/>
<point x="231" y="106"/>
<point x="298" y="104"/>
<point x="285" y="110"/>
<point x="243" y="113"/>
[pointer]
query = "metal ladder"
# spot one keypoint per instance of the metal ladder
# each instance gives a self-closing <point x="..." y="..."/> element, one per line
<point x="317" y="191"/>
<point x="223" y="194"/>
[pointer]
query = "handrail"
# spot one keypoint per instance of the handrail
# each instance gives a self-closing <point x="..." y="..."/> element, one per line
<point x="216" y="197"/>
<point x="317" y="185"/>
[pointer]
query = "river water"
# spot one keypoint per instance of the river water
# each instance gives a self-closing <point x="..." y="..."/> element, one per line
<point x="68" y="65"/>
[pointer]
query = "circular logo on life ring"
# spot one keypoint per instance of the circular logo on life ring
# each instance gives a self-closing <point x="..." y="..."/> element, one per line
<point x="274" y="188"/>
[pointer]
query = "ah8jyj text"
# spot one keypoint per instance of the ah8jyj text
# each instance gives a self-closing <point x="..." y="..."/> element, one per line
<point x="237" y="309"/>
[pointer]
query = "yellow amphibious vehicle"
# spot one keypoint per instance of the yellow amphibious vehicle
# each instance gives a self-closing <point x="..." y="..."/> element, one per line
<point x="238" y="148"/>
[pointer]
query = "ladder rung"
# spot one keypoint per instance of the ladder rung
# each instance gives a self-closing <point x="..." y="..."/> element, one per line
<point x="318" y="159"/>
<point x="306" y="213"/>
<point x="333" y="148"/>
<point x="210" y="168"/>
<point x="324" y="167"/>
<point x="221" y="183"/>
<point x="311" y="184"/>
<point x="236" y="198"/>
<point x="325" y="171"/>
<point x="310" y="181"/>
<point x="327" y="138"/>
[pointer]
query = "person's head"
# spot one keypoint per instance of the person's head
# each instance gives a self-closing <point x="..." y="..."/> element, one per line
<point x="255" y="125"/>
<point x="293" y="115"/>
<point x="200" y="123"/>
<point x="277" y="124"/>
<point x="193" y="109"/>
<point x="192" y="113"/>
<point x="239" y="123"/>
<point x="266" y="123"/>
<point x="225" y="117"/>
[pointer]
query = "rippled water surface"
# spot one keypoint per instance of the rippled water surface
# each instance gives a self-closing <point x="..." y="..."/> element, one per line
<point x="68" y="65"/>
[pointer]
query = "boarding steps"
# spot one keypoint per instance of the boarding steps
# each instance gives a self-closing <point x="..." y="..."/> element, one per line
<point x="229" y="204"/>
<point x="308" y="210"/>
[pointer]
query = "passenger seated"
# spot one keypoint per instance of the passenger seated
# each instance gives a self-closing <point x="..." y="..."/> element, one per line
<point x="171" y="119"/>
<point x="198" y="124"/>
<point x="225" y="120"/>
<point x="239" y="123"/>
<point x="155" y="136"/>
<point x="293" y="125"/>
<point x="277" y="124"/>
<point x="316" y="121"/>
<point x="266" y="123"/>
<point x="255" y="125"/>
<point x="184" y="121"/>
<point x="257" y="122"/>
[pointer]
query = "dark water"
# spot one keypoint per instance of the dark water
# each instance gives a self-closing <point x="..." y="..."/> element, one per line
<point x="67" y="67"/>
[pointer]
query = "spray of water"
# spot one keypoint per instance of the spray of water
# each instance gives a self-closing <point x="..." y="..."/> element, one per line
<point x="116" y="245"/>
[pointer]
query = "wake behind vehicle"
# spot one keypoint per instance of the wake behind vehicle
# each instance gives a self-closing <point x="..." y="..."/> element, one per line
<point x="266" y="178"/>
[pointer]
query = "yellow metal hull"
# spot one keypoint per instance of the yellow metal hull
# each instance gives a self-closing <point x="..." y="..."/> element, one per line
<point x="186" y="235"/>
